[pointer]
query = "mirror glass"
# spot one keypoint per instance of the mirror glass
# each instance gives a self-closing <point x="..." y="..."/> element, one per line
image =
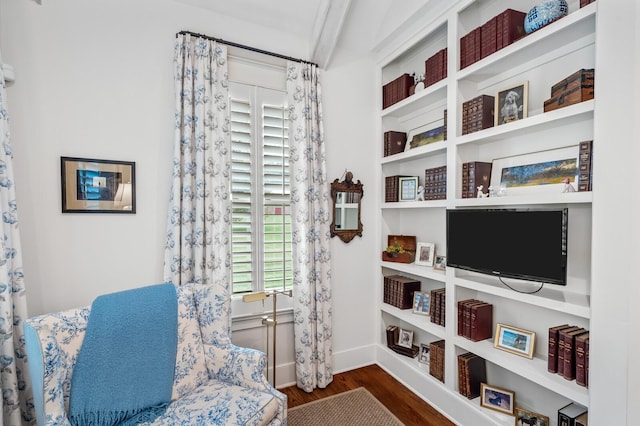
<point x="346" y="196"/>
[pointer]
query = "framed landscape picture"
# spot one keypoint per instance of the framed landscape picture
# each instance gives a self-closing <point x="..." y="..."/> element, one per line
<point x="542" y="171"/>
<point x="525" y="417"/>
<point x="515" y="340"/>
<point x="497" y="398"/>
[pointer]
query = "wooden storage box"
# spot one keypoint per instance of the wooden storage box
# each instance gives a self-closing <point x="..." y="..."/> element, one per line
<point x="398" y="291"/>
<point x="576" y="88"/>
<point x="582" y="78"/>
<point x="407" y="242"/>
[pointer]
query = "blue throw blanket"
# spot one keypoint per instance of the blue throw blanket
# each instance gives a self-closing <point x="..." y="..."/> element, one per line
<point x="125" y="367"/>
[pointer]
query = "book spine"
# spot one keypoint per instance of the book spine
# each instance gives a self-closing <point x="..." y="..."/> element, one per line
<point x="552" y="356"/>
<point x="580" y="361"/>
<point x="585" y="166"/>
<point x="560" y="357"/>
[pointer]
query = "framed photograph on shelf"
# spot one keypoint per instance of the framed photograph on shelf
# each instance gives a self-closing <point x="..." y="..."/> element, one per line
<point x="408" y="188"/>
<point x="97" y="186"/>
<point x="423" y="356"/>
<point x="536" y="172"/>
<point x="497" y="398"/>
<point x="440" y="263"/>
<point x="511" y="104"/>
<point x="425" y="253"/>
<point x="421" y="303"/>
<point x="405" y="338"/>
<point x="515" y="340"/>
<point x="525" y="417"/>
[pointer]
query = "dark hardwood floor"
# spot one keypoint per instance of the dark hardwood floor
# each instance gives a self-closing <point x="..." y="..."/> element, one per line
<point x="404" y="404"/>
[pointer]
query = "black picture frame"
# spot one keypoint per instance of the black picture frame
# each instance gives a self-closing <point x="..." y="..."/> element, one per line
<point x="97" y="186"/>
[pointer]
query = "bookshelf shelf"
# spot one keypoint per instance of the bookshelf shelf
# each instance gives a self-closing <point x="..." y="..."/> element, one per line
<point x="434" y="93"/>
<point x="432" y="149"/>
<point x="534" y="370"/>
<point x="431" y="204"/>
<point x="416" y="270"/>
<point x="421" y="322"/>
<point x="560" y="200"/>
<point x="548" y="298"/>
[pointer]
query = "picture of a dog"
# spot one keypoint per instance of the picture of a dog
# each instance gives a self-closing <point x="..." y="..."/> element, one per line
<point x="510" y="111"/>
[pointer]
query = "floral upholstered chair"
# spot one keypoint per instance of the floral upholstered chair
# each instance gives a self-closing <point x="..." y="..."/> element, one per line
<point x="215" y="382"/>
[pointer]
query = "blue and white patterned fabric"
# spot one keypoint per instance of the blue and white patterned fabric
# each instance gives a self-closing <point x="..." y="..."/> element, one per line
<point x="545" y="13"/>
<point x="16" y="393"/>
<point x="310" y="228"/>
<point x="198" y="245"/>
<point x="215" y="382"/>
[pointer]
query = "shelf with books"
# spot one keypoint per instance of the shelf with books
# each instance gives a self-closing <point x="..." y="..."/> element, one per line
<point x="550" y="297"/>
<point x="424" y="151"/>
<point x="431" y="204"/>
<point x="534" y="370"/>
<point x="416" y="270"/>
<point x="573" y="114"/>
<point x="421" y="322"/>
<point x="558" y="200"/>
<point x="430" y="95"/>
<point x="538" y="48"/>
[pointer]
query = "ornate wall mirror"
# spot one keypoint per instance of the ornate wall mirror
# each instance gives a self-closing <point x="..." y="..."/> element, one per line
<point x="346" y="196"/>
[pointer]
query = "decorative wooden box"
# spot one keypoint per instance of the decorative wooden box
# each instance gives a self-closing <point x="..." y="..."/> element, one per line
<point x="578" y="87"/>
<point x="408" y="244"/>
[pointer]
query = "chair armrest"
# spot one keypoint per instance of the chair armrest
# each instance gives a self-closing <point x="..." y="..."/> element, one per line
<point x="242" y="367"/>
<point x="47" y="375"/>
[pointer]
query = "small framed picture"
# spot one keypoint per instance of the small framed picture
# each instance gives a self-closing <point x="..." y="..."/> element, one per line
<point x="408" y="188"/>
<point x="423" y="357"/>
<point x="511" y="104"/>
<point x="405" y="338"/>
<point x="441" y="263"/>
<point x="425" y="253"/>
<point x="515" y="340"/>
<point x="524" y="417"/>
<point x="421" y="303"/>
<point x="497" y="398"/>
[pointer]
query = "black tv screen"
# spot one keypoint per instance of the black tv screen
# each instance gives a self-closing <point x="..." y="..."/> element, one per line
<point x="517" y="243"/>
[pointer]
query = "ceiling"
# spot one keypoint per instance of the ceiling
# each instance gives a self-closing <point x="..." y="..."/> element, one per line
<point x="317" y="22"/>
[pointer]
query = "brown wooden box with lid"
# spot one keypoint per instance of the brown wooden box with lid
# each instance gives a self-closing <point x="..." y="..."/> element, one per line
<point x="578" y="87"/>
<point x="408" y="244"/>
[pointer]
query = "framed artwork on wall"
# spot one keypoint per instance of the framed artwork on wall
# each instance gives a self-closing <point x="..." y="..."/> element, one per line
<point x="97" y="186"/>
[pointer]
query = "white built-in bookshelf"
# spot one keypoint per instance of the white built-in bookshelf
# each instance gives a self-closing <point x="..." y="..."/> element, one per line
<point x="542" y="59"/>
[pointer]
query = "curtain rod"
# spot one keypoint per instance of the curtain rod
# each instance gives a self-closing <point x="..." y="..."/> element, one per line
<point x="242" y="46"/>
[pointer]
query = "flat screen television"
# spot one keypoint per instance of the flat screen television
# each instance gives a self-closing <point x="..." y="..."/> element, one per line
<point x="527" y="244"/>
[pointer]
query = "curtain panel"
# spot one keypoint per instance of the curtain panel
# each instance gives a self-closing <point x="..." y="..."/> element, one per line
<point x="310" y="227"/>
<point x="198" y="244"/>
<point x="17" y="404"/>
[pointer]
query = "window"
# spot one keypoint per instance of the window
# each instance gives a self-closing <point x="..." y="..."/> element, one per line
<point x="261" y="230"/>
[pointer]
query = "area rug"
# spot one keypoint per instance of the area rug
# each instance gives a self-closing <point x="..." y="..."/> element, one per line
<point x="354" y="408"/>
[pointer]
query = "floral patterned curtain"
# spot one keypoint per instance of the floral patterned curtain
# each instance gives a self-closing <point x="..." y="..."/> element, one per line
<point x="310" y="221"/>
<point x="17" y="404"/>
<point x="198" y="245"/>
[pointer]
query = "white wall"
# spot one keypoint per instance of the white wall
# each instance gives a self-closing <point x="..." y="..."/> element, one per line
<point x="95" y="79"/>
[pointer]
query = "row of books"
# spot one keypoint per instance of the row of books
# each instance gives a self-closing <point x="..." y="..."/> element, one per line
<point x="435" y="68"/>
<point x="435" y="183"/>
<point x="495" y="34"/>
<point x="585" y="165"/>
<point x="475" y="319"/>
<point x="392" y="188"/>
<point x="472" y="371"/>
<point x="568" y="353"/>
<point x="396" y="90"/>
<point x="474" y="174"/>
<point x="398" y="291"/>
<point x="436" y="359"/>
<point x="478" y="114"/>
<point x="438" y="306"/>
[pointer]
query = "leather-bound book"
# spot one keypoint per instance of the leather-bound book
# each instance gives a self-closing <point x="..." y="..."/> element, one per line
<point x="481" y="322"/>
<point x="569" y="372"/>
<point x="582" y="351"/>
<point x="552" y="354"/>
